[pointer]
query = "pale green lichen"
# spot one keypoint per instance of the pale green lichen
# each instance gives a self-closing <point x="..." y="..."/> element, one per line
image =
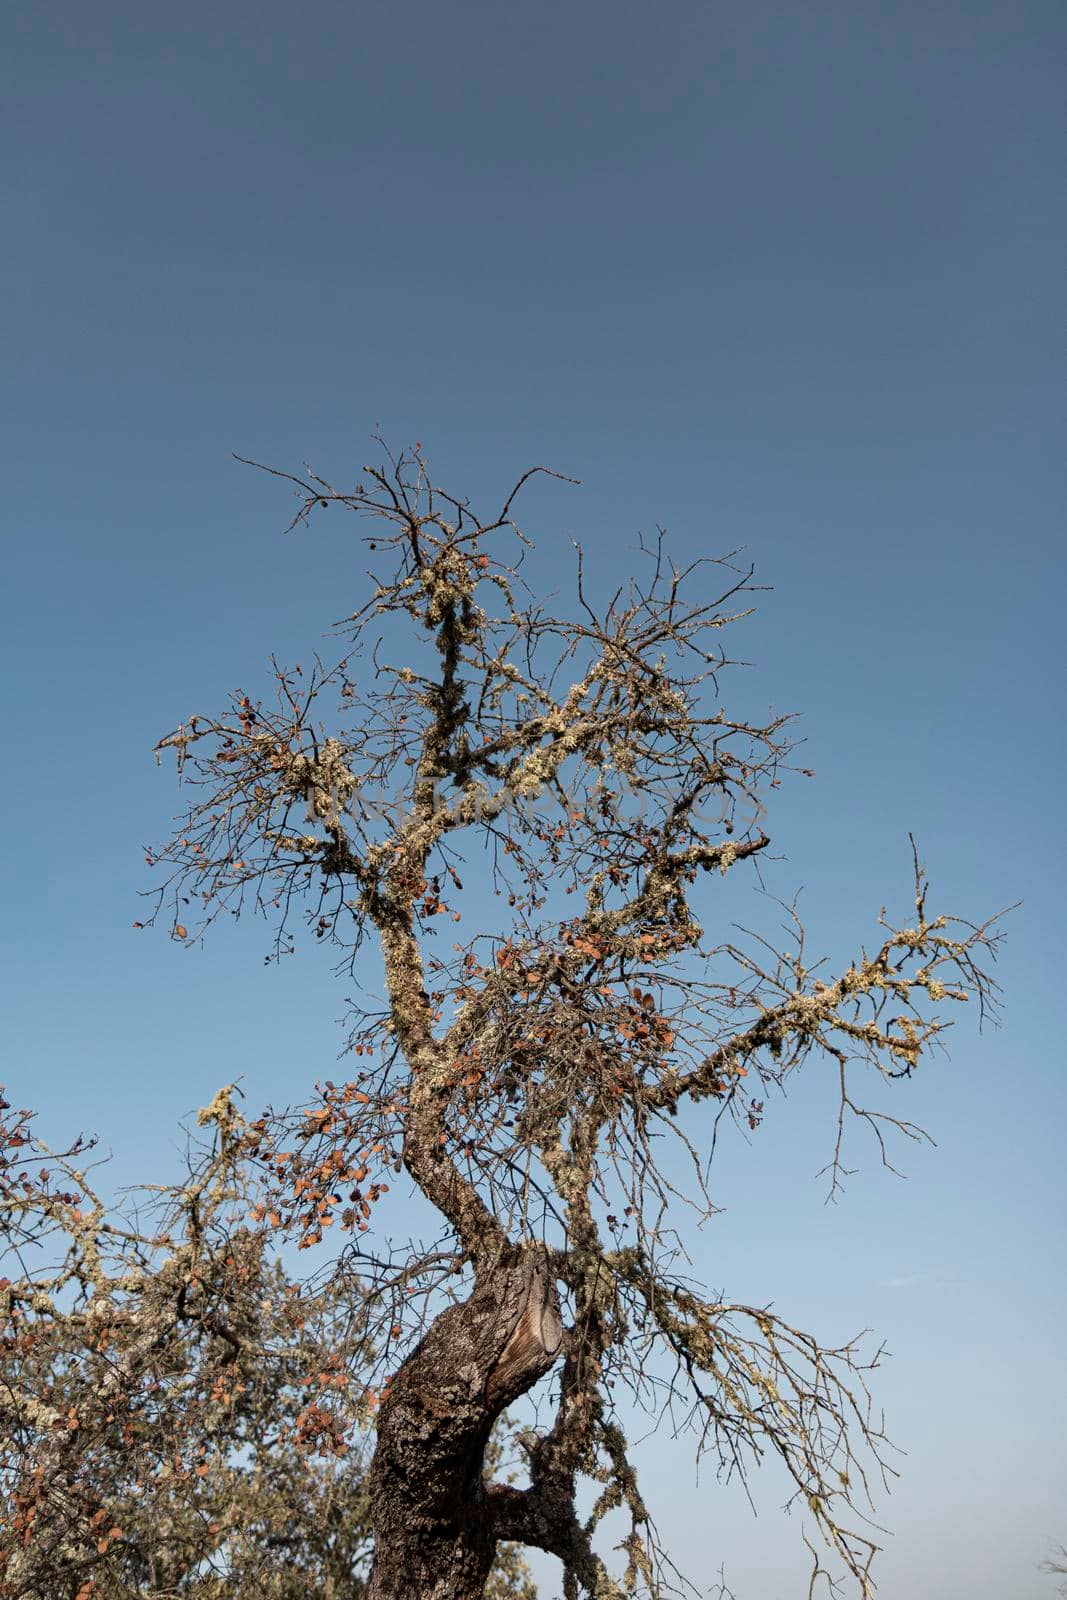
<point x="727" y="854"/>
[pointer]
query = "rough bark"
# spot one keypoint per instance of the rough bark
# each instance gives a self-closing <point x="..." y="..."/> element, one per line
<point x="435" y="1535"/>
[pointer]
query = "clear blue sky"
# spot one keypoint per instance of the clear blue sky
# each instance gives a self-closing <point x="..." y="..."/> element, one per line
<point x="788" y="276"/>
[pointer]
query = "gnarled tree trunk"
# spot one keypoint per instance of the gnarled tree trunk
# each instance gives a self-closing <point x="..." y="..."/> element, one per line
<point x="435" y="1536"/>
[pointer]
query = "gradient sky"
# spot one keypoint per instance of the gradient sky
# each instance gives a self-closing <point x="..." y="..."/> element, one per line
<point x="781" y="276"/>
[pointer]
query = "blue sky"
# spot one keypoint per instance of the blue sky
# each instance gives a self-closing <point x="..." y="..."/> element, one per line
<point x="781" y="276"/>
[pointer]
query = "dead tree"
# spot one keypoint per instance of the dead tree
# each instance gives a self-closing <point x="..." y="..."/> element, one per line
<point x="525" y="1080"/>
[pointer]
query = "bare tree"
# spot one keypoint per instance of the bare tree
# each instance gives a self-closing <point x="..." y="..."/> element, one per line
<point x="529" y="1081"/>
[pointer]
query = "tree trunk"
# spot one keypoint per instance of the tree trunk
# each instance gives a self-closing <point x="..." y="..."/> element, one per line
<point x="435" y="1537"/>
